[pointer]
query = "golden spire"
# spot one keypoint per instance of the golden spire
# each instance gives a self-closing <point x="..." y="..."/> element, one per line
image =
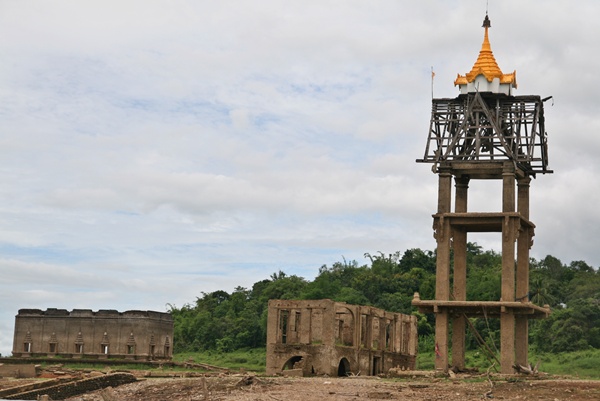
<point x="486" y="64"/>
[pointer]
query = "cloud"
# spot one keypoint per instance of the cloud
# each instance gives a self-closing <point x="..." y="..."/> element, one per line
<point x="153" y="150"/>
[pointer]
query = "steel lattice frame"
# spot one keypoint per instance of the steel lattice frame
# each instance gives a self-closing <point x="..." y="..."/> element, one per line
<point x="488" y="128"/>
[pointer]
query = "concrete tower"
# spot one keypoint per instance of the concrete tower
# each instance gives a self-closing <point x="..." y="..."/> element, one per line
<point x="486" y="133"/>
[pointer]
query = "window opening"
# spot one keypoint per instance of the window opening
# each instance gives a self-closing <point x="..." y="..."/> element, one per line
<point x="283" y="325"/>
<point x="363" y="330"/>
<point x="388" y="336"/>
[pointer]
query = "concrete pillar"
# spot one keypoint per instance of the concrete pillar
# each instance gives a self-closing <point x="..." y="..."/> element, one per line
<point x="413" y="337"/>
<point x="305" y="326"/>
<point x="523" y="196"/>
<point x="507" y="342"/>
<point x="441" y="341"/>
<point x="508" y="188"/>
<point x="507" y="319"/>
<point x="444" y="191"/>
<point x="522" y="322"/>
<point x="460" y="294"/>
<point x="508" y="260"/>
<point x="272" y="324"/>
<point x="522" y="284"/>
<point x="462" y="192"/>
<point x="442" y="293"/>
<point x="459" y="241"/>
<point x="442" y="276"/>
<point x="356" y="313"/>
<point x="327" y="326"/>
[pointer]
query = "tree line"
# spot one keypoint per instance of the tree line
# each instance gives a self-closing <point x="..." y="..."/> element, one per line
<point x="225" y="321"/>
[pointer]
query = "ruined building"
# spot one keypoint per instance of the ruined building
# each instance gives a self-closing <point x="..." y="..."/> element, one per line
<point x="334" y="338"/>
<point x="81" y="333"/>
<point x="486" y="133"/>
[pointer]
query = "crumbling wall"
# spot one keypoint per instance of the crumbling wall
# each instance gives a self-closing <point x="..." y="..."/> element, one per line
<point x="83" y="333"/>
<point x="337" y="339"/>
<point x="18" y="371"/>
<point x="66" y="390"/>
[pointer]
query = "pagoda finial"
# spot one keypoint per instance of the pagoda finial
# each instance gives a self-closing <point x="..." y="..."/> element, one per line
<point x="486" y="22"/>
<point x="486" y="66"/>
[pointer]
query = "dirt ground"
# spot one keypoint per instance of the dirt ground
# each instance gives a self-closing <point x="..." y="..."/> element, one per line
<point x="251" y="388"/>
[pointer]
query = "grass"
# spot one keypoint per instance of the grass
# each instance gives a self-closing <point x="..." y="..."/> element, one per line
<point x="103" y="366"/>
<point x="579" y="364"/>
<point x="253" y="359"/>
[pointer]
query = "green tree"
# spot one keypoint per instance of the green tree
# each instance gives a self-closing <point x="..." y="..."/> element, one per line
<point x="539" y="292"/>
<point x="224" y="322"/>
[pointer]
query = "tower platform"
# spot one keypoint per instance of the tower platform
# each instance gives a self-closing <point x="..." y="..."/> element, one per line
<point x="493" y="309"/>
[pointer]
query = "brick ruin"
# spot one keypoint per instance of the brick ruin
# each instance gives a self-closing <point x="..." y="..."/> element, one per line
<point x="323" y="337"/>
<point x="84" y="334"/>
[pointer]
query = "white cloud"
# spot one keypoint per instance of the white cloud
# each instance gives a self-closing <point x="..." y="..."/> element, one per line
<point x="156" y="149"/>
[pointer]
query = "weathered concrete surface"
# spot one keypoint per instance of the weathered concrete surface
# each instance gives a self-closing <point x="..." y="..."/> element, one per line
<point x="65" y="390"/>
<point x="323" y="337"/>
<point x="18" y="371"/>
<point x="84" y="334"/>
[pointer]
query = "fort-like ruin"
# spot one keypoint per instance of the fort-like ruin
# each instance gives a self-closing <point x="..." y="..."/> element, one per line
<point x="324" y="337"/>
<point x="84" y="334"/>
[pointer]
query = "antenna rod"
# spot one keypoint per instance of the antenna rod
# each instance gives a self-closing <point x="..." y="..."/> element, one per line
<point x="432" y="76"/>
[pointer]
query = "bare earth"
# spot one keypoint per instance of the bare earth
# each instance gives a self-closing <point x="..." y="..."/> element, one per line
<point x="251" y="388"/>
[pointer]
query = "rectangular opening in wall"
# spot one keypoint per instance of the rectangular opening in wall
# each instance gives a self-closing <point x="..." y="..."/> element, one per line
<point x="79" y="348"/>
<point x="363" y="330"/>
<point x="52" y="348"/>
<point x="283" y="325"/>
<point x="131" y="349"/>
<point x="293" y="327"/>
<point x="376" y="366"/>
<point x="104" y="349"/>
<point x="296" y="320"/>
<point x="27" y="347"/>
<point x="152" y="350"/>
<point x="388" y="336"/>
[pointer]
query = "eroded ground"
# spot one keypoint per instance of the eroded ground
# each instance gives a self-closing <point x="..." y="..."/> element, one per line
<point x="249" y="388"/>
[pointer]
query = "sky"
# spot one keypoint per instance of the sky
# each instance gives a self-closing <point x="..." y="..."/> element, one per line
<point x="151" y="151"/>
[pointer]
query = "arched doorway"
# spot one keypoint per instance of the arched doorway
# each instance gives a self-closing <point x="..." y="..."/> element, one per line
<point x="293" y="363"/>
<point x="344" y="368"/>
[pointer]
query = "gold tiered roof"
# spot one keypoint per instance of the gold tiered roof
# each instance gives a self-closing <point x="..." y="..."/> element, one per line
<point x="486" y="64"/>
